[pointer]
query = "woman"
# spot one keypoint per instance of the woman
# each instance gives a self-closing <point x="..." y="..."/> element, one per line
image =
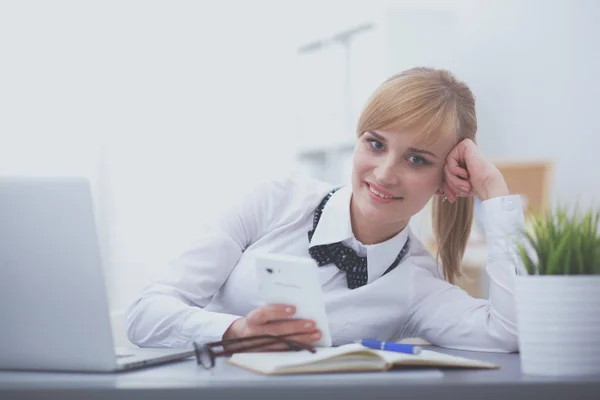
<point x="415" y="141"/>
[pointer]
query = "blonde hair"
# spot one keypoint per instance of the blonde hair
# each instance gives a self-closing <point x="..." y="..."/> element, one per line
<point x="436" y="103"/>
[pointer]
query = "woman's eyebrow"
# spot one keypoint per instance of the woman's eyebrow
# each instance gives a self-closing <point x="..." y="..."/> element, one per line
<point x="422" y="151"/>
<point x="377" y="136"/>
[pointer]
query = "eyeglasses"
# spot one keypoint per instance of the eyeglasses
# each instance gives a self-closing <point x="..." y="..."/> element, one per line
<point x="206" y="355"/>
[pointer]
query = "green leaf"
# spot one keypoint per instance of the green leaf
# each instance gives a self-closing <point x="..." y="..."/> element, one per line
<point x="579" y="259"/>
<point x="529" y="264"/>
<point x="557" y="255"/>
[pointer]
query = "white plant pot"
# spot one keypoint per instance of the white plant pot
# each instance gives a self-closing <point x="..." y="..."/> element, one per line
<point x="559" y="324"/>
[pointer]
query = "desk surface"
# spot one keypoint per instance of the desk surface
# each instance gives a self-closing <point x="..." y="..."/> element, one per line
<point x="184" y="380"/>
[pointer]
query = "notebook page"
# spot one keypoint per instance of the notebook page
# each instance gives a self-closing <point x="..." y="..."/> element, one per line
<point x="270" y="362"/>
<point x="345" y="362"/>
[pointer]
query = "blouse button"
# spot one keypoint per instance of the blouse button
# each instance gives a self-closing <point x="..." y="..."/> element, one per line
<point x="508" y="204"/>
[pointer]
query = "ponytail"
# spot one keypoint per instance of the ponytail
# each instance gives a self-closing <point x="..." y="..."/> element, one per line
<point x="451" y="227"/>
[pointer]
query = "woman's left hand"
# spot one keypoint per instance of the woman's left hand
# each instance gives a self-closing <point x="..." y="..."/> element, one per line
<point x="468" y="172"/>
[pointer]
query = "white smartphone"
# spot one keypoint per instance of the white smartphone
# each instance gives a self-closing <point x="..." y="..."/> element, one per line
<point x="294" y="280"/>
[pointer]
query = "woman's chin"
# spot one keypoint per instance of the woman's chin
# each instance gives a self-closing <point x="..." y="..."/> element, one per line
<point x="378" y="212"/>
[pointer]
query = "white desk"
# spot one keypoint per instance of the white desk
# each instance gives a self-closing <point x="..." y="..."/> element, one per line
<point x="185" y="380"/>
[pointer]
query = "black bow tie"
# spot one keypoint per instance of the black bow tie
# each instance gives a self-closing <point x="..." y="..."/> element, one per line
<point x="343" y="256"/>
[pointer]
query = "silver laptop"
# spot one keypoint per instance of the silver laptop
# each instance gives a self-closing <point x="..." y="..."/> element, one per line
<point x="54" y="312"/>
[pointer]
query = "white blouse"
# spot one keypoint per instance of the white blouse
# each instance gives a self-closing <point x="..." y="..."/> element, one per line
<point x="214" y="282"/>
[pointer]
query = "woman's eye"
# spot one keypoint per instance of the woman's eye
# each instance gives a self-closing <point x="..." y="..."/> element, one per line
<point x="376" y="144"/>
<point x="417" y="160"/>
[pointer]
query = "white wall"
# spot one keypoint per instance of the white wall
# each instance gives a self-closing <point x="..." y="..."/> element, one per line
<point x="170" y="107"/>
<point x="213" y="117"/>
<point x="534" y="68"/>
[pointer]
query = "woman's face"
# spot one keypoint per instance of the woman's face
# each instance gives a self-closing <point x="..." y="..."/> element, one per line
<point x="394" y="176"/>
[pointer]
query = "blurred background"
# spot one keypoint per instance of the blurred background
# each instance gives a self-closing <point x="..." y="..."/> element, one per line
<point x="173" y="108"/>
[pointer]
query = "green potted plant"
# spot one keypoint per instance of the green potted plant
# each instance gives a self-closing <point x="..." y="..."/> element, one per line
<point x="558" y="302"/>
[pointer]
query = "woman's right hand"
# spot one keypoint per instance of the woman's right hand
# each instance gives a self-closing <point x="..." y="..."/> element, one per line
<point x="273" y="319"/>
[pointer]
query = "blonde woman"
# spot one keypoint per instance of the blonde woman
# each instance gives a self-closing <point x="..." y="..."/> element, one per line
<point x="415" y="141"/>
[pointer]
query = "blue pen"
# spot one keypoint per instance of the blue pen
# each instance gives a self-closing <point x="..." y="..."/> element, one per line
<point x="397" y="347"/>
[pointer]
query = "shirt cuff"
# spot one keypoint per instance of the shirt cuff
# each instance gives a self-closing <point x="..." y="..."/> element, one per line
<point x="204" y="327"/>
<point x="504" y="223"/>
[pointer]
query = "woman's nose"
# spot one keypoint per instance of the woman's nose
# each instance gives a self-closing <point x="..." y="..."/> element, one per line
<point x="386" y="174"/>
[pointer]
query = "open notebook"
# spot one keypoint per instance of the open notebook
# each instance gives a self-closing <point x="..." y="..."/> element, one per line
<point x="346" y="358"/>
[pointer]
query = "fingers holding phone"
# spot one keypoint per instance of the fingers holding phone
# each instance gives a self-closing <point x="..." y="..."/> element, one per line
<point x="274" y="319"/>
<point x="278" y="319"/>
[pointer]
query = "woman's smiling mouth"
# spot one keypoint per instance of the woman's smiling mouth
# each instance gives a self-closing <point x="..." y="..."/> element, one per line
<point x="381" y="195"/>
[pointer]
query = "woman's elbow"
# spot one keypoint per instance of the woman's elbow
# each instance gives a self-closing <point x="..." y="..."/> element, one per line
<point x="505" y="341"/>
<point x="510" y="344"/>
<point x="133" y="325"/>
